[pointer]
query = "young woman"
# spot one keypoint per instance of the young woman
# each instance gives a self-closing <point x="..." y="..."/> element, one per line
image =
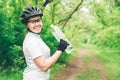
<point x="36" y="52"/>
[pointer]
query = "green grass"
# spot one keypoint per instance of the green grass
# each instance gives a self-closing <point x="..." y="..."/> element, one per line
<point x="55" y="69"/>
<point x="90" y="75"/>
<point x="86" y="58"/>
<point x="111" y="61"/>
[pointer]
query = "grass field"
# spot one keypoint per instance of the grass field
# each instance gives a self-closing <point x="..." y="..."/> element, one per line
<point x="111" y="62"/>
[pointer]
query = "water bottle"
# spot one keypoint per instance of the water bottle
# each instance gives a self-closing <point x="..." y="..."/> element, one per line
<point x="58" y="34"/>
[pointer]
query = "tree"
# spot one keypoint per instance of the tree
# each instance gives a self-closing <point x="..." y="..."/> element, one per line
<point x="64" y="21"/>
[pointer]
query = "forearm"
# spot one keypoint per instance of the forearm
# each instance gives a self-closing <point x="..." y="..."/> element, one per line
<point x="45" y="64"/>
<point x="62" y="46"/>
<point x="52" y="60"/>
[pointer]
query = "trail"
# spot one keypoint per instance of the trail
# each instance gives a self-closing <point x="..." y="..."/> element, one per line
<point x="79" y="66"/>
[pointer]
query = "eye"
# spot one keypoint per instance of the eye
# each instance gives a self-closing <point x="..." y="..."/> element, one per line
<point x="34" y="21"/>
<point x="38" y="20"/>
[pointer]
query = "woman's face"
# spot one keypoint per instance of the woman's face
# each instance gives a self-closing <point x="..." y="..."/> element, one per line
<point x="35" y="24"/>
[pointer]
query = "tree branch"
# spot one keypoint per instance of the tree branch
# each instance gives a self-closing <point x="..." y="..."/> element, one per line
<point x="64" y="21"/>
<point x="46" y="3"/>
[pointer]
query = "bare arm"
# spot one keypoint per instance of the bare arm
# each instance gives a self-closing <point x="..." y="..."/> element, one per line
<point x="45" y="64"/>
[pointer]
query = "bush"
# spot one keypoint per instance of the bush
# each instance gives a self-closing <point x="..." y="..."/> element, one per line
<point x="109" y="38"/>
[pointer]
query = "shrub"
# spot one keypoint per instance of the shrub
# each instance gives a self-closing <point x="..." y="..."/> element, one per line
<point x="109" y="37"/>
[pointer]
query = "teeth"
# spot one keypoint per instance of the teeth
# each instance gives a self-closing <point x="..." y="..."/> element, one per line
<point x="35" y="27"/>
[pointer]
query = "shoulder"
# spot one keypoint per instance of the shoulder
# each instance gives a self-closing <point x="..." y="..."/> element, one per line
<point x="29" y="40"/>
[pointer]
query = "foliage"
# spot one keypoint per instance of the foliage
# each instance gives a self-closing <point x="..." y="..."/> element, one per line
<point x="109" y="37"/>
<point x="108" y="15"/>
<point x="12" y="75"/>
<point x="98" y="25"/>
<point x="11" y="35"/>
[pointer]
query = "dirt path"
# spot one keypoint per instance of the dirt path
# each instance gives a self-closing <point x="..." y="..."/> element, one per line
<point x="79" y="66"/>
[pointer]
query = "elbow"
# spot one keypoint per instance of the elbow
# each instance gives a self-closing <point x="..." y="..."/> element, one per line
<point x="45" y="69"/>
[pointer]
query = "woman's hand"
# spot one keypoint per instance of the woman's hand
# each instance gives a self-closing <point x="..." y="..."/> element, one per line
<point x="62" y="45"/>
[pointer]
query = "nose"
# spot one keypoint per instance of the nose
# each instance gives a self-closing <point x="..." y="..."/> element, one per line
<point x="37" y="23"/>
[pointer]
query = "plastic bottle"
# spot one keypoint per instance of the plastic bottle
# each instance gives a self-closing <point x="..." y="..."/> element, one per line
<point x="58" y="34"/>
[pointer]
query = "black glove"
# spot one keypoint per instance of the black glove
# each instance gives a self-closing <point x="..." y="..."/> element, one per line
<point x="62" y="45"/>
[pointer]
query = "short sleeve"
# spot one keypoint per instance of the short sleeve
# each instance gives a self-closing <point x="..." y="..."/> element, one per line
<point x="34" y="49"/>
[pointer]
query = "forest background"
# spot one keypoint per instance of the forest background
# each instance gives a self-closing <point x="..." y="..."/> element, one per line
<point x="84" y="22"/>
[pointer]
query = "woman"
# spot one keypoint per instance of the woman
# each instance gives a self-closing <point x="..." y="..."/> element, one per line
<point x="36" y="52"/>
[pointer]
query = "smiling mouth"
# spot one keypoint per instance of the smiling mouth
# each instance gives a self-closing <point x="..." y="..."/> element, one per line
<point x="37" y="27"/>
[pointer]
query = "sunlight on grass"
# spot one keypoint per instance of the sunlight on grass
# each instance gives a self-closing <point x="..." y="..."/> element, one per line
<point x="90" y="75"/>
<point x="113" y="70"/>
<point x="86" y="59"/>
<point x="55" y="70"/>
<point x="112" y="63"/>
<point x="110" y="60"/>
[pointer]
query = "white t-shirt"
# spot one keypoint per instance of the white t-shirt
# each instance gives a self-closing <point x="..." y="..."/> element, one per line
<point x="33" y="46"/>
